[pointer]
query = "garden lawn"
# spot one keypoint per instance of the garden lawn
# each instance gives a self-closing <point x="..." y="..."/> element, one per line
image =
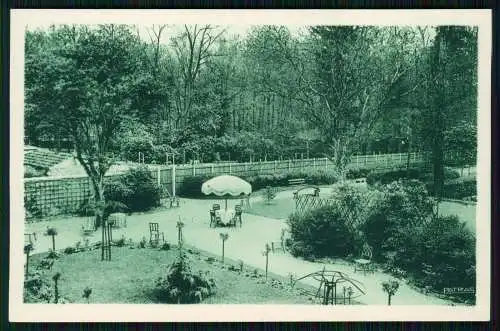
<point x="277" y="208"/>
<point x="130" y="278"/>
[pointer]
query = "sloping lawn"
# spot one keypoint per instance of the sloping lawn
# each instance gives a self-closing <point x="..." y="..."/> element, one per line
<point x="130" y="278"/>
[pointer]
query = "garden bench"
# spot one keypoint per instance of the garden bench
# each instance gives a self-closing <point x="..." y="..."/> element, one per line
<point x="360" y="180"/>
<point x="296" y="181"/>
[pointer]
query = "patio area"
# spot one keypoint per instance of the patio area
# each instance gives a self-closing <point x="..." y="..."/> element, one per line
<point x="245" y="243"/>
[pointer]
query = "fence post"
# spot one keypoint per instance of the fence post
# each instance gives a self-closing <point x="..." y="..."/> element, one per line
<point x="357" y="161"/>
<point x="288" y="165"/>
<point x="158" y="172"/>
<point x="400" y="157"/>
<point x="275" y="166"/>
<point x="194" y="169"/>
<point x="314" y="163"/>
<point x="212" y="168"/>
<point x="229" y="168"/>
<point x="173" y="180"/>
<point x="326" y="163"/>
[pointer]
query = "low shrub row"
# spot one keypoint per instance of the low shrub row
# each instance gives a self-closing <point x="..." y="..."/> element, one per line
<point x="422" y="174"/>
<point x="398" y="221"/>
<point x="457" y="189"/>
<point x="191" y="186"/>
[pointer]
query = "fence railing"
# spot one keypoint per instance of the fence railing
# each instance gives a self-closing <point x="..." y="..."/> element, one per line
<point x="58" y="195"/>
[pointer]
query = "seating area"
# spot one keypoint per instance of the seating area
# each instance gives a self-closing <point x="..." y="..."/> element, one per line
<point x="230" y="217"/>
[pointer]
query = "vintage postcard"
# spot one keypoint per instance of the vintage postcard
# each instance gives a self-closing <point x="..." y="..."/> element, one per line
<point x="313" y="165"/>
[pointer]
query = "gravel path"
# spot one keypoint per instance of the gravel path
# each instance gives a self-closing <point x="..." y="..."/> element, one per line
<point x="246" y="244"/>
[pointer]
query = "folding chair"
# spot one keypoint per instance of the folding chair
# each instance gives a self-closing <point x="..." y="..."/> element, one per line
<point x="88" y="226"/>
<point x="237" y="215"/>
<point x="215" y="206"/>
<point x="30" y="238"/>
<point x="364" y="263"/>
<point x="214" y="218"/>
<point x="154" y="234"/>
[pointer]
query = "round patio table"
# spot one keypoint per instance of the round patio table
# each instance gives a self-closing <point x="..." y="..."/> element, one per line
<point x="226" y="216"/>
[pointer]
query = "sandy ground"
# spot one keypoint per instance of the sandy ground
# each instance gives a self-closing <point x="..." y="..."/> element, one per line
<point x="246" y="243"/>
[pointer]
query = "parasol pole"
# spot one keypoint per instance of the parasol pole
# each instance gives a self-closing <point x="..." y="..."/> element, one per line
<point x="226" y="203"/>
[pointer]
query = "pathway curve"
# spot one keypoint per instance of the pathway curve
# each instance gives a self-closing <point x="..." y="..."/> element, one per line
<point x="246" y="244"/>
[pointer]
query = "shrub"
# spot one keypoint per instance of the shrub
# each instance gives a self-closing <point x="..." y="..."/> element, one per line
<point x="357" y="173"/>
<point x="386" y="177"/>
<point x="88" y="208"/>
<point x="446" y="254"/>
<point x="191" y="186"/>
<point x="395" y="217"/>
<point x="321" y="232"/>
<point x="321" y="178"/>
<point x="457" y="189"/>
<point x="182" y="285"/>
<point x="31" y="208"/>
<point x="69" y="250"/>
<point x="165" y="247"/>
<point x="121" y="242"/>
<point x="269" y="194"/>
<point x="136" y="189"/>
<point x="37" y="289"/>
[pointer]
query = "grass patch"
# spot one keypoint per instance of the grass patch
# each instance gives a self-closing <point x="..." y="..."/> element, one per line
<point x="278" y="208"/>
<point x="130" y="278"/>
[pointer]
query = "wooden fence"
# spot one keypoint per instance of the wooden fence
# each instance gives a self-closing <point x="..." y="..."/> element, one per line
<point x="59" y="195"/>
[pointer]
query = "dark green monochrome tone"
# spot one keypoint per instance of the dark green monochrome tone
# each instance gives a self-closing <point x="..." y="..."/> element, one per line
<point x="359" y="144"/>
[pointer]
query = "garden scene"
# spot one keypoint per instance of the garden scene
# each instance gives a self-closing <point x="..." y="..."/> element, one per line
<point x="322" y="165"/>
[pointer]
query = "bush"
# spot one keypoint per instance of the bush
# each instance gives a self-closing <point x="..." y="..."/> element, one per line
<point x="191" y="186"/>
<point x="321" y="178"/>
<point x="88" y="208"/>
<point x="457" y="189"/>
<point x="395" y="218"/>
<point x="37" y="289"/>
<point x="321" y="232"/>
<point x="69" y="250"/>
<point x="357" y="173"/>
<point x="182" y="285"/>
<point x="386" y="177"/>
<point x="447" y="254"/>
<point x="136" y="190"/>
<point x="31" y="208"/>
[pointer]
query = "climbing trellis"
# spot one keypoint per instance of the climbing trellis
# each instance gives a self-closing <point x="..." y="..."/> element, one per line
<point x="305" y="202"/>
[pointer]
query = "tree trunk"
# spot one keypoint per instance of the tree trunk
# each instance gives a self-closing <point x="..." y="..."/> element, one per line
<point x="389" y="299"/>
<point x="53" y="244"/>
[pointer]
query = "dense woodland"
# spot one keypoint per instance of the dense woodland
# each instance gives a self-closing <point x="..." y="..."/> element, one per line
<point x="203" y="92"/>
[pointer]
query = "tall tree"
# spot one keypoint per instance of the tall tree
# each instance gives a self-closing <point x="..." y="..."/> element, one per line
<point x="85" y="84"/>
